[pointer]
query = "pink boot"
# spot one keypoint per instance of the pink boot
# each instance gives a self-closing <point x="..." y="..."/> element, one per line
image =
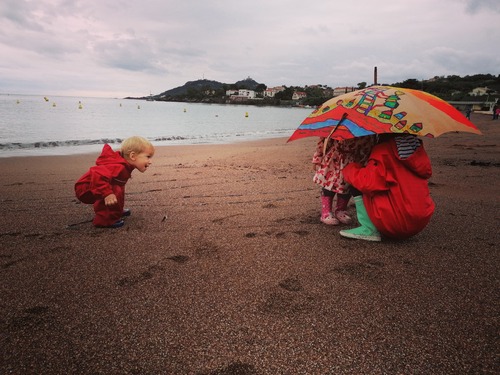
<point x="326" y="211"/>
<point x="341" y="209"/>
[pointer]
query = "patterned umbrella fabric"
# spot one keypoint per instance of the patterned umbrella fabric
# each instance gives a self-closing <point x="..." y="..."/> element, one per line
<point x="383" y="109"/>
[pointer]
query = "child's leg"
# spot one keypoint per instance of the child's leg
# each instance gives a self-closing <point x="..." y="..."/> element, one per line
<point x="341" y="208"/>
<point x="106" y="216"/>
<point x="110" y="216"/>
<point x="366" y="230"/>
<point x="326" y="208"/>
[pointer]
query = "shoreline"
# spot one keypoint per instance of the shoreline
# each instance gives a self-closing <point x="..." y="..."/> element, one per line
<point x="224" y="266"/>
<point x="96" y="147"/>
<point x="159" y="149"/>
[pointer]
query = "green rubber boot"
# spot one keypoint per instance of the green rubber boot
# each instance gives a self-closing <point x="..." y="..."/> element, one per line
<point x="367" y="230"/>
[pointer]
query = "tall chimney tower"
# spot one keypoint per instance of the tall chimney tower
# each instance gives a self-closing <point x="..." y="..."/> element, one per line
<point x="375" y="76"/>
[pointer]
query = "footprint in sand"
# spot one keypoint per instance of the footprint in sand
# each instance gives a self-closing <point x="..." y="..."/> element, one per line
<point x="33" y="316"/>
<point x="206" y="250"/>
<point x="145" y="275"/>
<point x="368" y="269"/>
<point x="291" y="284"/>
<point x="179" y="258"/>
<point x="279" y="234"/>
<point x="269" y="205"/>
<point x="284" y="302"/>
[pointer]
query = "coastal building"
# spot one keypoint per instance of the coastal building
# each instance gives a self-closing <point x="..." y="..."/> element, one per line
<point x="297" y="95"/>
<point x="271" y="91"/>
<point x="241" y="95"/>
<point x="250" y="94"/>
<point x="478" y="91"/>
<point x="244" y="93"/>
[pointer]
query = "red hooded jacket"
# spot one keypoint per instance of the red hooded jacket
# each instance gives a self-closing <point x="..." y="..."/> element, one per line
<point x="395" y="191"/>
<point x="110" y="172"/>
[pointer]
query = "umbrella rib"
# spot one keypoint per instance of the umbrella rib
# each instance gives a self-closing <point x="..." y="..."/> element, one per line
<point x="344" y="116"/>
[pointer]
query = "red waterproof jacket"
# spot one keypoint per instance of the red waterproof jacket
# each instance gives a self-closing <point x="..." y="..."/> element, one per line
<point x="110" y="172"/>
<point x="395" y="191"/>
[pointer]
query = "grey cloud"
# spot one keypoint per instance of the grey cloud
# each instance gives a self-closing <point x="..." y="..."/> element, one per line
<point x="19" y="13"/>
<point x="448" y="61"/>
<point x="475" y="6"/>
<point x="128" y="54"/>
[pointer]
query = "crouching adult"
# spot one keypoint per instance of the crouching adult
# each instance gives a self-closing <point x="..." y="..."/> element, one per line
<point x="391" y="192"/>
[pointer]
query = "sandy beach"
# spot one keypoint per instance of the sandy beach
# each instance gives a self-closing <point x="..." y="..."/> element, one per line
<point x="224" y="268"/>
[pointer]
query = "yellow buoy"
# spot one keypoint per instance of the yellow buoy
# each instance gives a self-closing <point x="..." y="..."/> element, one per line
<point x="53" y="104"/>
<point x="246" y="114"/>
<point x="45" y="98"/>
<point x="184" y="109"/>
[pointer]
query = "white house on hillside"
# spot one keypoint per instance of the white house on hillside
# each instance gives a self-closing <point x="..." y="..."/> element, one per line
<point x="240" y="95"/>
<point x="478" y="91"/>
<point x="249" y="94"/>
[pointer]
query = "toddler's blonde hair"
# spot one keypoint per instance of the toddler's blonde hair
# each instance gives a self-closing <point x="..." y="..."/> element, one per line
<point x="136" y="144"/>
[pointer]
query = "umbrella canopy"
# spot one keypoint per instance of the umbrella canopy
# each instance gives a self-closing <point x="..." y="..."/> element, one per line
<point x="383" y="109"/>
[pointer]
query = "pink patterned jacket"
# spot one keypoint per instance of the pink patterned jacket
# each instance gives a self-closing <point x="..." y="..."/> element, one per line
<point x="338" y="154"/>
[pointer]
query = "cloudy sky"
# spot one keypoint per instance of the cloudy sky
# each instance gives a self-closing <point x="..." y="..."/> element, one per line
<point x="116" y="48"/>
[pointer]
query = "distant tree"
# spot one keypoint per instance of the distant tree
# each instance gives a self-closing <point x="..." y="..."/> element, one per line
<point x="411" y="83"/>
<point x="194" y="94"/>
<point x="361" y="85"/>
<point x="260" y="87"/>
<point x="220" y="92"/>
<point x="313" y="101"/>
<point x="314" y="92"/>
<point x="286" y="94"/>
<point x="453" y="78"/>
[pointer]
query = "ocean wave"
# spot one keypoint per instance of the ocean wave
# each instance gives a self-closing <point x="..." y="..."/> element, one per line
<point x="81" y="142"/>
<point x="52" y="144"/>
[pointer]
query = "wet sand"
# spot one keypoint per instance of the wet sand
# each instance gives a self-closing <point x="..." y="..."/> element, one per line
<point x="224" y="268"/>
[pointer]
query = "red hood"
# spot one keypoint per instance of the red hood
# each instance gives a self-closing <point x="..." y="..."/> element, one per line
<point x="419" y="163"/>
<point x="108" y="156"/>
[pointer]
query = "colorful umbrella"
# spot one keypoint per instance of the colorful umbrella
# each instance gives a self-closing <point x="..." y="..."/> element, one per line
<point x="383" y="109"/>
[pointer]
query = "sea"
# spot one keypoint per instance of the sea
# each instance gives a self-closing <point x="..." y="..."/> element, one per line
<point x="32" y="125"/>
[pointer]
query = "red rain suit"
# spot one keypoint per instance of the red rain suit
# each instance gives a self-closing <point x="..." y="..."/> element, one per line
<point x="395" y="191"/>
<point x="108" y="176"/>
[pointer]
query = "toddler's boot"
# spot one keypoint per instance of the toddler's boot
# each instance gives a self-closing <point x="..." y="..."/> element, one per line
<point x="341" y="209"/>
<point x="326" y="211"/>
<point x="367" y="230"/>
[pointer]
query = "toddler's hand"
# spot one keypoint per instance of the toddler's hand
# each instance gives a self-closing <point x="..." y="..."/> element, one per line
<point x="110" y="200"/>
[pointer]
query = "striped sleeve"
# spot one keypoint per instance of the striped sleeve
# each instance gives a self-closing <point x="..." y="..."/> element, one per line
<point x="407" y="144"/>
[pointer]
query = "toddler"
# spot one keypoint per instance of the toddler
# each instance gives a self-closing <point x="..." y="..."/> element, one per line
<point x="330" y="158"/>
<point x="104" y="184"/>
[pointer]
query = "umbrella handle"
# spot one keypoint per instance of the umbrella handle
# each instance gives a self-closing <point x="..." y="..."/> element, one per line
<point x="344" y="116"/>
